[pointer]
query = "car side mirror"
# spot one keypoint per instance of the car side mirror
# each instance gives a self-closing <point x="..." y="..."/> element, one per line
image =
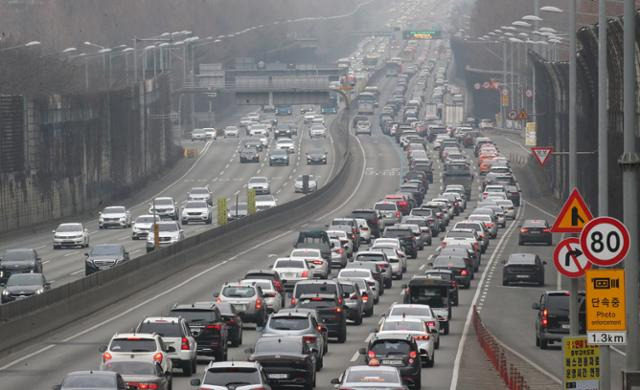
<point x="216" y="294"/>
<point x="430" y="264"/>
<point x="86" y="254"/>
<point x="53" y="231"/>
<point x="102" y="349"/>
<point x="171" y="349"/>
<point x="335" y="381"/>
<point x="195" y="382"/>
<point x="535" y="306"/>
<point x="362" y="351"/>
<point x="249" y="351"/>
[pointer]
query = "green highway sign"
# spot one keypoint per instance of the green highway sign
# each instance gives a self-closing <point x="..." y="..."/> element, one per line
<point x="421" y="34"/>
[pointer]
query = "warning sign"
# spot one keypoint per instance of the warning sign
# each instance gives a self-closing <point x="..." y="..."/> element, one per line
<point x="581" y="364"/>
<point x="573" y="216"/>
<point x="522" y="115"/>
<point x="605" y="306"/>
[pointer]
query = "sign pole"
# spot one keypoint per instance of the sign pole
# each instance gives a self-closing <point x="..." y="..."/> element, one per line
<point x="573" y="157"/>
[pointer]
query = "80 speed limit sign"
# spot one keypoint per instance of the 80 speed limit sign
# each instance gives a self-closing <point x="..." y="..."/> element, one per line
<point x="605" y="241"/>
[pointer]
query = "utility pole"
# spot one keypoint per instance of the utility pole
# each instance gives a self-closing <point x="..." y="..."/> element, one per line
<point x="504" y="82"/>
<point x="573" y="156"/>
<point x="135" y="60"/>
<point x="629" y="162"/>
<point x="603" y="156"/>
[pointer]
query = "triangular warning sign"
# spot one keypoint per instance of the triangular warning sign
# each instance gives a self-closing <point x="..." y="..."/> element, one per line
<point x="573" y="216"/>
<point x="542" y="153"/>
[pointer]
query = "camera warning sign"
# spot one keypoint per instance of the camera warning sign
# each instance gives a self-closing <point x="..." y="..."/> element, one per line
<point x="605" y="306"/>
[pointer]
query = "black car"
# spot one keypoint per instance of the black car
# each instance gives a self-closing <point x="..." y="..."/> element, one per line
<point x="249" y="155"/>
<point x="446" y="275"/>
<point x="287" y="361"/>
<point x="460" y="251"/>
<point x="331" y="312"/>
<point x="136" y="373"/>
<point x="278" y="157"/>
<point x="18" y="261"/>
<point x="108" y="380"/>
<point x="283" y="130"/>
<point x="396" y="350"/>
<point x="457" y="265"/>
<point x="552" y="317"/>
<point x="523" y="268"/>
<point x="372" y="217"/>
<point x="535" y="230"/>
<point x="21" y="286"/>
<point x="104" y="256"/>
<point x="253" y="144"/>
<point x="207" y="327"/>
<point x="316" y="156"/>
<point x="407" y="240"/>
<point x="233" y="321"/>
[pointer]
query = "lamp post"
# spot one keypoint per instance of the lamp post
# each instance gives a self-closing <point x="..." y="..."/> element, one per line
<point x="28" y="44"/>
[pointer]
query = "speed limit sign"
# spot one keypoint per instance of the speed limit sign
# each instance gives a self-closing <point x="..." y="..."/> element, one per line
<point x="605" y="241"/>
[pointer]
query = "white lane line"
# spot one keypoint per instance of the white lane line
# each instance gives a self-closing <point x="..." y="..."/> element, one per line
<point x="541" y="209"/>
<point x="618" y="351"/>
<point x="221" y="173"/>
<point x="422" y="267"/>
<point x="77" y="272"/>
<point x="45" y="262"/>
<point x="467" y="324"/>
<point x="355" y="356"/>
<point x="69" y="254"/>
<point x="517" y="144"/>
<point x="369" y="337"/>
<point x="123" y="238"/>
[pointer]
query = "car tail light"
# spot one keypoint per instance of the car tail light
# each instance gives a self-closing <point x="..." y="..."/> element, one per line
<point x="217" y="327"/>
<point x="340" y="251"/>
<point x="365" y="297"/>
<point x="412" y="356"/>
<point x="371" y="354"/>
<point x="547" y="230"/>
<point x="338" y="309"/>
<point x="475" y="246"/>
<point x="309" y="339"/>
<point x="106" y="356"/>
<point x="431" y="324"/>
<point x="524" y="230"/>
<point x="184" y="345"/>
<point x="439" y="214"/>
<point x="293" y="301"/>
<point x="403" y="204"/>
<point x="277" y="285"/>
<point x="305" y="274"/>
<point x="317" y="262"/>
<point x="148" y="386"/>
<point x="258" y="304"/>
<point x="489" y="224"/>
<point x="422" y="337"/>
<point x="340" y="301"/>
<point x="231" y="321"/>
<point x="545" y="317"/>
<point x="320" y="328"/>
<point x="464" y="272"/>
<point x="158" y="357"/>
<point x="398" y="214"/>
<point x="366" y="229"/>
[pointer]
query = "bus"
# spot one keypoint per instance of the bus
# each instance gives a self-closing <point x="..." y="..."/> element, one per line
<point x="367" y="102"/>
<point x="370" y="61"/>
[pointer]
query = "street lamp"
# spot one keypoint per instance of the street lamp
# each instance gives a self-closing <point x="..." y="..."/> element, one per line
<point x="69" y="50"/>
<point x="521" y="23"/>
<point x="550" y="8"/>
<point x="532" y="18"/>
<point x="32" y="43"/>
<point x="94" y="45"/>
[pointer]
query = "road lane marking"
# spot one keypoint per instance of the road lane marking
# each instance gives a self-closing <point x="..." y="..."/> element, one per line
<point x="45" y="262"/>
<point x="77" y="272"/>
<point x="355" y="356"/>
<point x="541" y="209"/>
<point x="69" y="254"/>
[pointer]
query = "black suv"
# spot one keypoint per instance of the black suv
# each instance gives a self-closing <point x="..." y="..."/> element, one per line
<point x="396" y="350"/>
<point x="552" y="319"/>
<point x="104" y="256"/>
<point x="234" y="323"/>
<point x="207" y="327"/>
<point x="331" y="311"/>
<point x="523" y="268"/>
<point x="19" y="261"/>
<point x="407" y="240"/>
<point x="372" y="218"/>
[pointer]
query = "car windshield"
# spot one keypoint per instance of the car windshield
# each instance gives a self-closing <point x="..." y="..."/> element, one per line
<point x="148" y="219"/>
<point x="304" y="253"/>
<point x="317" y="302"/>
<point x="414" y="326"/>
<point x="101" y="250"/>
<point x="132" y="344"/>
<point x="196" y="205"/>
<point x="277" y="345"/>
<point x="258" y="180"/>
<point x="75" y="227"/>
<point x="89" y="381"/>
<point x="131" y="368"/>
<point x="276" y="152"/>
<point x="313" y="288"/>
<point x="264" y="284"/>
<point x="558" y="303"/>
<point x="163" y="202"/>
<point x="385" y="206"/>
<point x="434" y="297"/>
<point x="409" y="311"/>
<point x="224" y="376"/>
<point x="265" y="198"/>
<point x="316" y="151"/>
<point x="18" y="255"/>
<point x="238" y="292"/>
<point x="460" y="234"/>
<point x="438" y="275"/>
<point x="422" y="212"/>
<point x="197" y="316"/>
<point x="367" y="376"/>
<point x="289" y="264"/>
<point x="113" y="210"/>
<point x="394" y="233"/>
<point x="391" y="347"/>
<point x="369" y="257"/>
<point x="199" y="191"/>
<point x="480" y="217"/>
<point x="164" y="329"/>
<point x="24" y="280"/>
<point x="288" y="323"/>
<point x="168" y="227"/>
<point x="353" y="273"/>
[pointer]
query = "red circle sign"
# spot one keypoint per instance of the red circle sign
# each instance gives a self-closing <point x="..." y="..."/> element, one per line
<point x="605" y="241"/>
<point x="569" y="259"/>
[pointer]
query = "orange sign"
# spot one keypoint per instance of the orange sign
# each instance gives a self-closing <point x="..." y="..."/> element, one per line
<point x="573" y="216"/>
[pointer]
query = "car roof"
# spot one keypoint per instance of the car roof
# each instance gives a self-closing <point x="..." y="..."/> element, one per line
<point x="392" y="336"/>
<point x="534" y="222"/>
<point x="233" y="363"/>
<point x="521" y="258"/>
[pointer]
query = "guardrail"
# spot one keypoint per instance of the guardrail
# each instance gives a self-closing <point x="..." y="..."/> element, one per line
<point x="38" y="315"/>
<point x="499" y="357"/>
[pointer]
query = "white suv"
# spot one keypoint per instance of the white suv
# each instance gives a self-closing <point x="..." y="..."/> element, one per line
<point x="165" y="208"/>
<point x="169" y="233"/>
<point x="143" y="226"/>
<point x="260" y="184"/>
<point x="70" y="234"/>
<point x="117" y="216"/>
<point x="175" y="333"/>
<point x="231" y="131"/>
<point x="138" y="347"/>
<point x="196" y="211"/>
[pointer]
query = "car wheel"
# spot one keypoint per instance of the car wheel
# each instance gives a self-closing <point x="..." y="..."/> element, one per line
<point x="387" y="283"/>
<point x="194" y="366"/>
<point x="418" y="383"/>
<point x="185" y="222"/>
<point x="431" y="361"/>
<point x="505" y="282"/>
<point x="369" y="313"/>
<point x="319" y="363"/>
<point x="187" y="368"/>
<point x="537" y="340"/>
<point x="446" y="329"/>
<point x="56" y="247"/>
<point x="358" y="320"/>
<point x="342" y="337"/>
<point x="209" y="221"/>
<point x="238" y="340"/>
<point x="437" y="343"/>
<point x="544" y="343"/>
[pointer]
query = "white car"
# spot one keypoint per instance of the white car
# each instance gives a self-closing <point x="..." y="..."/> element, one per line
<point x="298" y="185"/>
<point x="318" y="119"/>
<point x="143" y="226"/>
<point x="169" y="233"/>
<point x="144" y="347"/>
<point x="421" y="312"/>
<point x="231" y="131"/>
<point x="317" y="130"/>
<point x="286" y="144"/>
<point x="198" y="135"/>
<point x="114" y="216"/>
<point x="364" y="274"/>
<point x="175" y="333"/>
<point x="211" y="132"/>
<point x="272" y="297"/>
<point x="344" y="239"/>
<point x="260" y="184"/>
<point x="200" y="193"/>
<point x="291" y="271"/>
<point x="165" y="208"/>
<point x="508" y="207"/>
<point x="398" y="266"/>
<point x="246" y="122"/>
<point x="70" y="234"/>
<point x="416" y="328"/>
<point x="196" y="211"/>
<point x="264" y="202"/>
<point x="258" y="130"/>
<point x="309" y="116"/>
<point x="317" y="265"/>
<point x="363" y="227"/>
<point x="363" y="127"/>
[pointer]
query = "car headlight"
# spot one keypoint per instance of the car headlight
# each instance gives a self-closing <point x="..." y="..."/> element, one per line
<point x="40" y="291"/>
<point x="5" y="292"/>
<point x="122" y="218"/>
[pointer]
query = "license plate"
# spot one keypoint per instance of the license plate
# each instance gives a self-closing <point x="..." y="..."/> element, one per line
<point x="534" y="232"/>
<point x="240" y="307"/>
<point x="566" y="326"/>
<point x="522" y="276"/>
<point x="278" y="376"/>
<point x="392" y="362"/>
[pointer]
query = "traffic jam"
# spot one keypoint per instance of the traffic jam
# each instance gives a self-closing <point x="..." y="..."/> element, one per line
<point x="312" y="297"/>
